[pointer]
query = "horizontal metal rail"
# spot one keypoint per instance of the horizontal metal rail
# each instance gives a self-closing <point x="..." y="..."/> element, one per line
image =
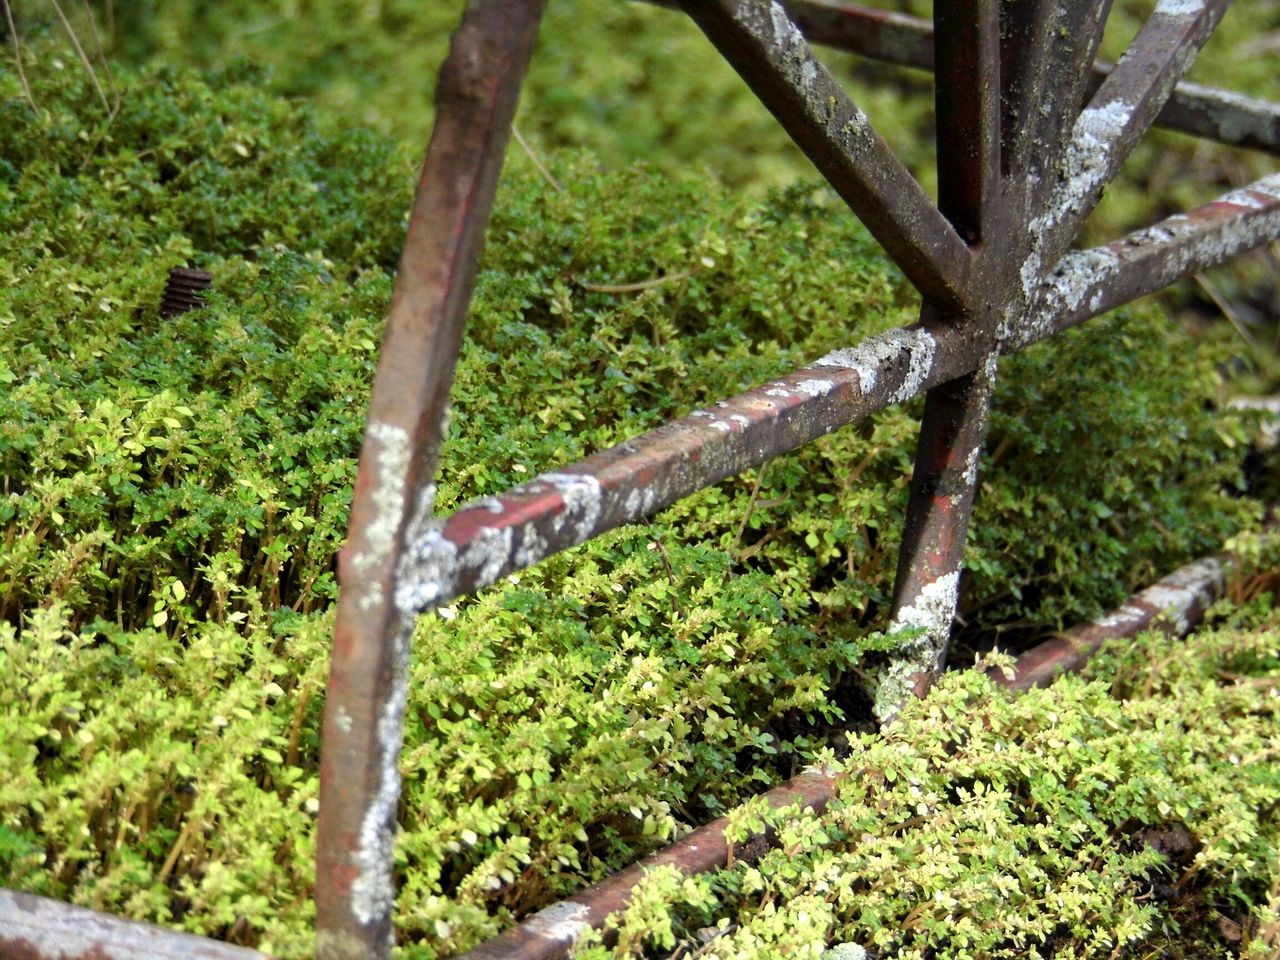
<point x="1229" y="118"/>
<point x="552" y="932"/>
<point x="487" y="539"/>
<point x="35" y="928"/>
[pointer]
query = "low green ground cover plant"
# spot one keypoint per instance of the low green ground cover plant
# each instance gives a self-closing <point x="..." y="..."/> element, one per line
<point x="175" y="491"/>
<point x="1130" y="812"/>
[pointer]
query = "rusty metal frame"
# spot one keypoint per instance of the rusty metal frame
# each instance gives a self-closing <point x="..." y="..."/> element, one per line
<point x="1032" y="128"/>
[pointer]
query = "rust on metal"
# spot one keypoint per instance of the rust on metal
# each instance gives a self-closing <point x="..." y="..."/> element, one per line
<point x="1230" y="118"/>
<point x="36" y="928"/>
<point x="489" y="538"/>
<point x="1175" y="604"/>
<point x="1086" y="283"/>
<point x="971" y="96"/>
<point x="1022" y="164"/>
<point x="359" y="778"/>
<point x="761" y="42"/>
<point x="184" y="291"/>
<point x="552" y="932"/>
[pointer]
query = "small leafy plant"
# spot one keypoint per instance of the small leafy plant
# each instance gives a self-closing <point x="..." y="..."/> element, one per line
<point x="175" y="492"/>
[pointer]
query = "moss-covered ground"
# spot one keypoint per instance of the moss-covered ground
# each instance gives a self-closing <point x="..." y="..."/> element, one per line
<point x="175" y="491"/>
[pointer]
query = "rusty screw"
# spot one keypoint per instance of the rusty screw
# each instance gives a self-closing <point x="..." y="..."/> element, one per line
<point x="184" y="291"/>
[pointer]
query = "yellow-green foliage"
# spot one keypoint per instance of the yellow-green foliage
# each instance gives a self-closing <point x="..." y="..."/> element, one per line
<point x="1116" y="814"/>
<point x="175" y="492"/>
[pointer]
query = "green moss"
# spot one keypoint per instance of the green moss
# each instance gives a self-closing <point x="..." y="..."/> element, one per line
<point x="175" y="491"/>
<point x="1129" y="812"/>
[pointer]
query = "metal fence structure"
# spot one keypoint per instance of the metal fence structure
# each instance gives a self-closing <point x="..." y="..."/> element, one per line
<point x="1031" y="128"/>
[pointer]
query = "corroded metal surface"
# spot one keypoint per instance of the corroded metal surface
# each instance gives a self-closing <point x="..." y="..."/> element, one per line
<point x="359" y="779"/>
<point x="767" y="49"/>
<point x="552" y="932"/>
<point x="972" y="97"/>
<point x="489" y="538"/>
<point x="1175" y="604"/>
<point x="1024" y="160"/>
<point x="1231" y="118"/>
<point x="35" y="928"/>
<point x="1086" y="283"/>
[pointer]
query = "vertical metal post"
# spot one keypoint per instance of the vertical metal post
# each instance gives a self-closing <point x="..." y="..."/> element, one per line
<point x="359" y="779"/>
<point x="967" y="61"/>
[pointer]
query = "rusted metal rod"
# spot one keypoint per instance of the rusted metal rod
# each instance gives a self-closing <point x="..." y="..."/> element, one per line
<point x="1229" y="118"/>
<point x="552" y="932"/>
<point x="760" y="42"/>
<point x="359" y="775"/>
<point x="1173" y="604"/>
<point x="1086" y="283"/>
<point x="487" y="539"/>
<point x="36" y="928"/>
<point x="970" y="97"/>
<point x="1116" y="117"/>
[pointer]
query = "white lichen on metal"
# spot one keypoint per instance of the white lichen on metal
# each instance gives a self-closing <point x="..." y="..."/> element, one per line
<point x="564" y="922"/>
<point x="971" y="466"/>
<point x="389" y="451"/>
<point x="1085" y="169"/>
<point x="1179" y="8"/>
<point x="372" y="892"/>
<point x="582" y="500"/>
<point x="872" y="358"/>
<point x="433" y="565"/>
<point x="1183" y="243"/>
<point x="722" y="426"/>
<point x="1128" y="614"/>
<point x="533" y="546"/>
<point x="37" y="927"/>
<point x="343" y="720"/>
<point x="814" y="388"/>
<point x="777" y="392"/>
<point x="640" y="501"/>
<point x="1259" y="194"/>
<point x="1236" y="116"/>
<point x="428" y="569"/>
<point x="1177" y="594"/>
<point x="1077" y="276"/>
<point x="933" y="608"/>
<point x="931" y="613"/>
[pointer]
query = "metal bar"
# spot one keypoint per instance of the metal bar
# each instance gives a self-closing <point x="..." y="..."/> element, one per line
<point x="552" y="932"/>
<point x="487" y="539"/>
<point x="1174" y="604"/>
<point x="36" y="928"/>
<point x="1028" y="30"/>
<point x="766" y="48"/>
<point x="1116" y="118"/>
<point x="967" y="96"/>
<point x="359" y="780"/>
<point x="1221" y="115"/>
<point x="929" y="563"/>
<point x="490" y="538"/>
<point x="1054" y="98"/>
<point x="969" y="108"/>
<point x="905" y="41"/>
<point x="1086" y="283"/>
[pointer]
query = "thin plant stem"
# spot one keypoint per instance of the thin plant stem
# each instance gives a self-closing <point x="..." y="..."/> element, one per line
<point x="17" y="53"/>
<point x="542" y="168"/>
<point x="97" y="44"/>
<point x="84" y="59"/>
